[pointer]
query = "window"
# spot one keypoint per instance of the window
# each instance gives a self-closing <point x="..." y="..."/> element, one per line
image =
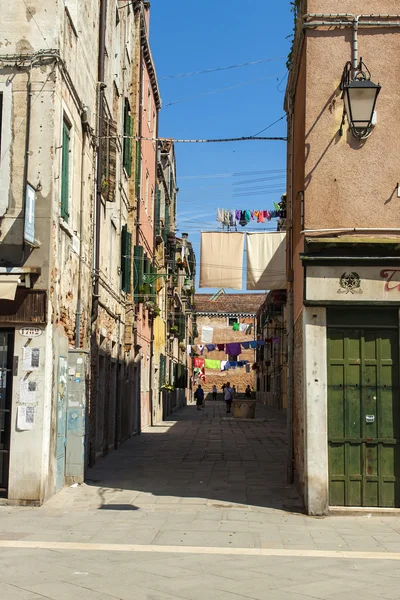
<point x="232" y="357"/>
<point x="128" y="133"/>
<point x="149" y="112"/>
<point x="138" y="163"/>
<point x="138" y="271"/>
<point x="232" y="320"/>
<point x="146" y="200"/>
<point x="151" y="203"/>
<point x="66" y="141"/>
<point x="126" y="261"/>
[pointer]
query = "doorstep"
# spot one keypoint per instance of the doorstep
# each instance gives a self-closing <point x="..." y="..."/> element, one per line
<point x="360" y="511"/>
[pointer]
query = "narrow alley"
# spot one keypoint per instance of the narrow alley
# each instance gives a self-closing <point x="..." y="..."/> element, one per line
<point x="198" y="494"/>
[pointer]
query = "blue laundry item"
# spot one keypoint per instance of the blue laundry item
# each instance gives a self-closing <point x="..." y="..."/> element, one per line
<point x="232" y="218"/>
<point x="261" y="342"/>
<point x="210" y="347"/>
<point x="227" y="366"/>
<point x="245" y="345"/>
<point x="253" y="345"/>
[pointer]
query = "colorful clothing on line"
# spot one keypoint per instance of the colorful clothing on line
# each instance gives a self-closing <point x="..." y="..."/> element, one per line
<point x="213" y="364"/>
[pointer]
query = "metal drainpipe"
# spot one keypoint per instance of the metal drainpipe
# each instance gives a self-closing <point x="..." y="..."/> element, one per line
<point x="355" y="44"/>
<point x="79" y="300"/>
<point x="137" y="231"/>
<point x="290" y="313"/>
<point x="100" y="77"/>
<point x="154" y="283"/>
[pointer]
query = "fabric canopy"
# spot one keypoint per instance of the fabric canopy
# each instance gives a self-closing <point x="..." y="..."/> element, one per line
<point x="221" y="260"/>
<point x="8" y="286"/>
<point x="266" y="261"/>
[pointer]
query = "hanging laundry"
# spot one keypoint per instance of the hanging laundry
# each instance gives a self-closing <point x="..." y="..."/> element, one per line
<point x="266" y="261"/>
<point x="213" y="364"/>
<point x="252" y="215"/>
<point x="232" y="218"/>
<point x="245" y="345"/>
<point x="243" y="326"/>
<point x="233" y="349"/>
<point x="247" y="368"/>
<point x="198" y="362"/>
<point x="227" y="365"/>
<point x="253" y="345"/>
<point x="207" y="334"/>
<point x="249" y="329"/>
<point x="260" y="216"/>
<point x="189" y="349"/>
<point x="221" y="347"/>
<point x="226" y="272"/>
<point x="260" y="343"/>
<point x="247" y="216"/>
<point x="235" y="326"/>
<point x="223" y="363"/>
<point x="275" y="340"/>
<point x="201" y="348"/>
<point x="238" y="214"/>
<point x="255" y="212"/>
<point x="220" y="215"/>
<point x="210" y="347"/>
<point x="242" y="363"/>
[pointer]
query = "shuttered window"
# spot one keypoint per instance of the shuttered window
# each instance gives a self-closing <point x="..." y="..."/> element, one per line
<point x="126" y="259"/>
<point x="137" y="271"/>
<point x="138" y="163"/>
<point x="128" y="133"/>
<point x="163" y="369"/>
<point x="65" y="171"/>
<point x="157" y="217"/>
<point x="167" y="223"/>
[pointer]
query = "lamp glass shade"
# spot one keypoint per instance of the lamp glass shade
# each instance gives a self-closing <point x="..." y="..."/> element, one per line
<point x="360" y="100"/>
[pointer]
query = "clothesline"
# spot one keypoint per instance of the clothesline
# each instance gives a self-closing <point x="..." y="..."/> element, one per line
<point x="231" y="217"/>
<point x="200" y="364"/>
<point x="231" y="348"/>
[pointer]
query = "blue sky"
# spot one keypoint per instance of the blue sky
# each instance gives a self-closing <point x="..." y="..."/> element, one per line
<point x="187" y="36"/>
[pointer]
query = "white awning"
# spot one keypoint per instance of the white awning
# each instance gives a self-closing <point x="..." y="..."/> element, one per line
<point x="8" y="286"/>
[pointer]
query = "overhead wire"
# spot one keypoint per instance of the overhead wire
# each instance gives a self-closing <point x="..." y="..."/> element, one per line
<point x="218" y="90"/>
<point x="215" y="69"/>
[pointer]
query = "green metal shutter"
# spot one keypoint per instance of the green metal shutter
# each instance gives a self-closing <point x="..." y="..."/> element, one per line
<point x="167" y="222"/>
<point x="126" y="259"/>
<point x="163" y="369"/>
<point x="157" y="211"/>
<point x="147" y="272"/>
<point x="128" y="132"/>
<point x="137" y="167"/>
<point x="138" y="271"/>
<point x="65" y="173"/>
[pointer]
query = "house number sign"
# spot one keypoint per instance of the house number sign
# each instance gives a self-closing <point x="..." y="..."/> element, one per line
<point x="30" y="332"/>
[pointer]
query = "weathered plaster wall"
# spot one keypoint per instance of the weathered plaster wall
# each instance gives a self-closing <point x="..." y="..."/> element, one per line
<point x="348" y="183"/>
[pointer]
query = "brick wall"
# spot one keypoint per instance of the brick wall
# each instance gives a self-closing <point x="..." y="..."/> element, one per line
<point x="223" y="334"/>
<point x="298" y="407"/>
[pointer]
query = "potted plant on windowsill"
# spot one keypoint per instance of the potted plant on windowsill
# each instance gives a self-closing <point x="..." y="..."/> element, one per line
<point x="174" y="330"/>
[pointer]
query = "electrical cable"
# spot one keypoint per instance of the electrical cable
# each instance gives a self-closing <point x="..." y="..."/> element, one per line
<point x="218" y="90"/>
<point x="32" y="15"/>
<point x="269" y="126"/>
<point x="247" y="64"/>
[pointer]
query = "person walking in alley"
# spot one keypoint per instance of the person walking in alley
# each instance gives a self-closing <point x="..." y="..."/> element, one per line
<point x="228" y="397"/>
<point x="199" y="395"/>
<point x="248" y="392"/>
<point x="214" y="392"/>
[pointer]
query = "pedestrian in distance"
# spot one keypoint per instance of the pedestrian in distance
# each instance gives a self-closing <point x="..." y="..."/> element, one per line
<point x="248" y="392"/>
<point x="228" y="397"/>
<point x="199" y="395"/>
<point x="214" y="392"/>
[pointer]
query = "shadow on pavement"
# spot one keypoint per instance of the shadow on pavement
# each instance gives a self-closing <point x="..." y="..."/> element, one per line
<point x="195" y="456"/>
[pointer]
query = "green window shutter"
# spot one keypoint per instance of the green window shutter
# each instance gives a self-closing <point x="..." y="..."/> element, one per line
<point x="157" y="211"/>
<point x="126" y="259"/>
<point x="147" y="271"/>
<point x="167" y="223"/>
<point x="128" y="132"/>
<point x="137" y="167"/>
<point x="138" y="271"/>
<point x="65" y="173"/>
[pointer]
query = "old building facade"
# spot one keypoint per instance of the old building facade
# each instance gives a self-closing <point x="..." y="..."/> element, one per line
<point x="343" y="254"/>
<point x="229" y="318"/>
<point x="79" y="118"/>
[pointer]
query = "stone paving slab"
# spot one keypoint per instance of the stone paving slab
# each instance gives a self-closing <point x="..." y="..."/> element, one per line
<point x="206" y="484"/>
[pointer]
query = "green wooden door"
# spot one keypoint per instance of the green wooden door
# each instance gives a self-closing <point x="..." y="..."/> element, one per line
<point x="363" y="416"/>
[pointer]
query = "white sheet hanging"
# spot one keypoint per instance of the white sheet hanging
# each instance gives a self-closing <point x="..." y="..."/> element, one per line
<point x="266" y="261"/>
<point x="221" y="260"/>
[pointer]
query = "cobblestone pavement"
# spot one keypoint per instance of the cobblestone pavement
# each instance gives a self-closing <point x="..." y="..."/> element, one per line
<point x="197" y="507"/>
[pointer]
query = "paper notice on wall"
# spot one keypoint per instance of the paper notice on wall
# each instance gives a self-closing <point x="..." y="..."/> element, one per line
<point x="25" y="418"/>
<point x="31" y="359"/>
<point x="27" y="391"/>
<point x="207" y="334"/>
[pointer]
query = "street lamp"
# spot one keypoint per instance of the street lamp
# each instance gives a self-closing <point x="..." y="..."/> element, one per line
<point x="359" y="95"/>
